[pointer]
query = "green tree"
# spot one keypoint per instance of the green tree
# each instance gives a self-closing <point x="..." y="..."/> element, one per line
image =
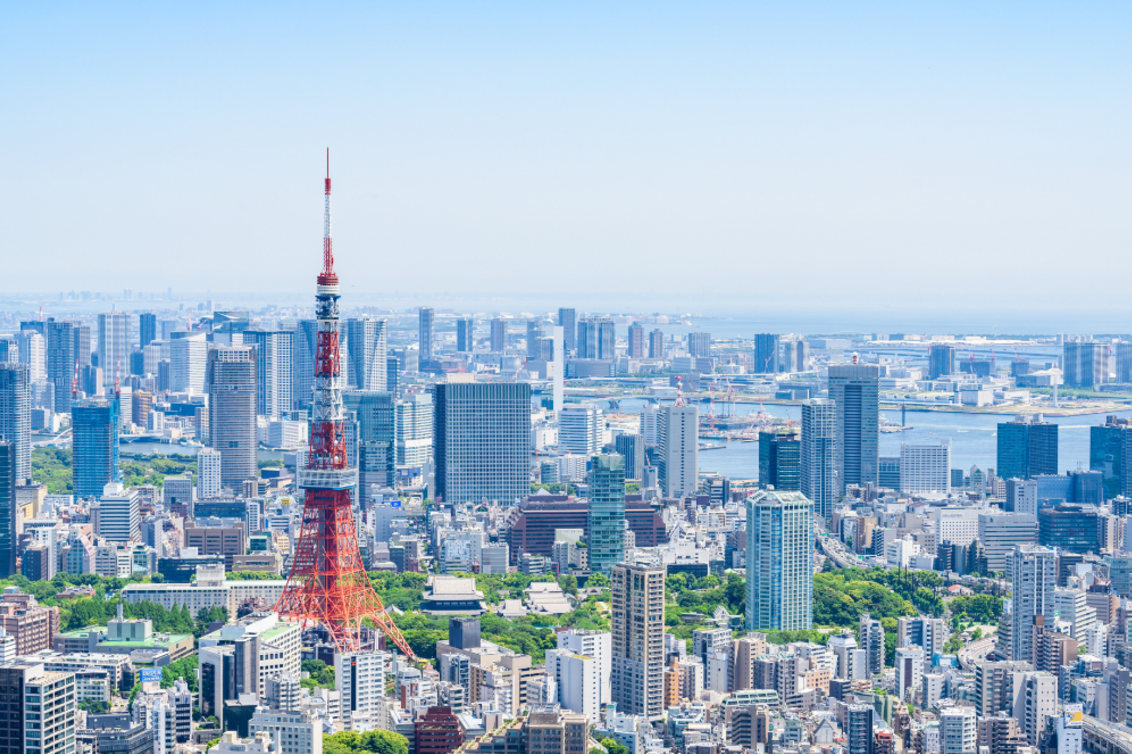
<point x="613" y="746"/>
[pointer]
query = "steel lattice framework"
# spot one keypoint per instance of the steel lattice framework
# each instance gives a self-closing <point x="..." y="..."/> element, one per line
<point x="328" y="584"/>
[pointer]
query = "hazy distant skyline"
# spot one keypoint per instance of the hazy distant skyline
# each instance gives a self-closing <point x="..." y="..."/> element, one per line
<point x="825" y="154"/>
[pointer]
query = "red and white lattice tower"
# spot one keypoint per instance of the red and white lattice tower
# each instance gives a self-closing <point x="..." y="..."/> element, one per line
<point x="328" y="584"/>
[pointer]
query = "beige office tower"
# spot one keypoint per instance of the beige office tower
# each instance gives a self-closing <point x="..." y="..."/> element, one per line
<point x="637" y="684"/>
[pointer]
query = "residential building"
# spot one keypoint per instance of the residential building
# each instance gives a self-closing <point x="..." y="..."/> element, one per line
<point x="208" y="473"/>
<point x="922" y="631"/>
<point x="1033" y="576"/>
<point x="15" y="414"/>
<point x="188" y="362"/>
<point x="871" y="633"/>
<point x="596" y="339"/>
<point x="818" y="463"/>
<point x="232" y="379"/>
<point x="699" y="345"/>
<point x="1085" y="364"/>
<point x="568" y="321"/>
<point x="296" y="732"/>
<point x="678" y="440"/>
<point x="779" y="561"/>
<point x="636" y="341"/>
<point x="498" y="335"/>
<point x="360" y="680"/>
<point x="426" y="325"/>
<point x="482" y="441"/>
<point x="113" y="345"/>
<point x="859" y="729"/>
<point x="854" y="390"/>
<point x="637" y="678"/>
<point x="656" y="344"/>
<point x="1035" y="699"/>
<point x="958" y="731"/>
<point x="9" y="508"/>
<point x="909" y="669"/>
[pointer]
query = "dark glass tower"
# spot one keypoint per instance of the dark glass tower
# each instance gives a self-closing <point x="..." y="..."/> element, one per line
<point x="95" y="459"/>
<point x="1026" y="448"/>
<point x="607" y="513"/>
<point x="7" y="509"/>
<point x="780" y="460"/>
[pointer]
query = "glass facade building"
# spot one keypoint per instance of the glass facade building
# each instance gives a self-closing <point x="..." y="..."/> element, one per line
<point x="855" y="391"/>
<point x="1026" y="449"/>
<point x="607" y="512"/>
<point x="780" y="535"/>
<point x="780" y="460"/>
<point x="95" y="447"/>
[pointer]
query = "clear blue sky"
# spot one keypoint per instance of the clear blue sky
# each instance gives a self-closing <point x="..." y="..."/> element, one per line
<point x="821" y="151"/>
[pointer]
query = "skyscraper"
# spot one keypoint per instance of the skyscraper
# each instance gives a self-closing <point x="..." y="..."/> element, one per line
<point x="375" y="413"/>
<point x="534" y="333"/>
<point x="368" y="355"/>
<point x="208" y="473"/>
<point x="568" y="320"/>
<point x="465" y="334"/>
<point x="818" y="454"/>
<point x="699" y="344"/>
<point x="855" y="391"/>
<point x="632" y="447"/>
<point x="94" y="425"/>
<point x="147" y="328"/>
<point x="656" y="344"/>
<point x="8" y="508"/>
<point x="580" y="428"/>
<point x="926" y="468"/>
<point x="61" y="358"/>
<point x="15" y="414"/>
<point x="414" y="416"/>
<point x="482" y="441"/>
<point x="302" y="371"/>
<point x="1027" y="447"/>
<point x="766" y="353"/>
<point x="113" y="345"/>
<point x="596" y="338"/>
<point x="1085" y="364"/>
<point x="32" y="350"/>
<point x="274" y="362"/>
<point x="780" y="460"/>
<point x="941" y="360"/>
<point x="188" y="361"/>
<point x="780" y="535"/>
<point x="1124" y="362"/>
<point x="637" y="680"/>
<point x="498" y="335"/>
<point x="232" y="379"/>
<point x="426" y="331"/>
<point x="1033" y="576"/>
<point x="1110" y="452"/>
<point x="607" y="513"/>
<point x="636" y="341"/>
<point x="678" y="437"/>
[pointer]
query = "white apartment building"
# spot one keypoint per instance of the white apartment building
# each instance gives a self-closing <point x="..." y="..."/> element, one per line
<point x="580" y="429"/>
<point x="956" y="525"/>
<point x="296" y="732"/>
<point x="208" y="473"/>
<point x="360" y="681"/>
<point x="188" y="360"/>
<point x="595" y="644"/>
<point x="577" y="681"/>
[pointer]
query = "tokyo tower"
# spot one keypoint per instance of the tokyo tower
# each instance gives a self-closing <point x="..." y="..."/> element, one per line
<point x="327" y="584"/>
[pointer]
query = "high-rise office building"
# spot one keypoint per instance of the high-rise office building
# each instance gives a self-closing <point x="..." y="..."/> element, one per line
<point x="147" y="328"/>
<point x="15" y="414"/>
<point x="9" y="350"/>
<point x="119" y="515"/>
<point x="465" y="334"/>
<point x="113" y="345"/>
<point x="414" y="430"/>
<point x="1033" y="576"/>
<point x="780" y="460"/>
<point x="274" y="361"/>
<point x="607" y="513"/>
<point x="498" y="335"/>
<point x="426" y="327"/>
<point x="376" y="453"/>
<point x="818" y="454"/>
<point x="1110" y="452"/>
<point x="232" y="379"/>
<point x="31" y="349"/>
<point x="568" y="321"/>
<point x="855" y="391"/>
<point x="1124" y="363"/>
<point x="302" y="369"/>
<point x="699" y="344"/>
<point x="188" y="362"/>
<point x="8" y="509"/>
<point x="368" y="357"/>
<point x="926" y="468"/>
<point x="780" y="535"/>
<point x="482" y="441"/>
<point x="678" y="433"/>
<point x="632" y="447"/>
<point x="637" y="678"/>
<point x="636" y="341"/>
<point x="596" y="338"/>
<point x="1085" y="364"/>
<point x="208" y="473"/>
<point x="766" y="353"/>
<point x="41" y="709"/>
<point x="94" y="425"/>
<point x="1027" y="447"/>
<point x="941" y="360"/>
<point x="580" y="427"/>
<point x="656" y="344"/>
<point x="1070" y="527"/>
<point x="999" y="533"/>
<point x="534" y="334"/>
<point x="795" y="356"/>
<point x="61" y="361"/>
